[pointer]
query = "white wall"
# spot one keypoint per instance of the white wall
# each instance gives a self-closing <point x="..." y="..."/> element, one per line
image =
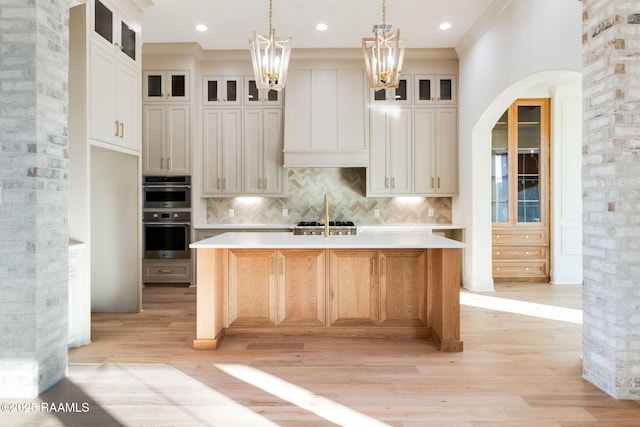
<point x="527" y="48"/>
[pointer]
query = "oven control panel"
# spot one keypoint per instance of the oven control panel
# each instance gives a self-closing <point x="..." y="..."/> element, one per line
<point x="166" y="216"/>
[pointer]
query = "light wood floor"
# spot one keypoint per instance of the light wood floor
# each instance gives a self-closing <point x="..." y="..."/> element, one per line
<point x="516" y="370"/>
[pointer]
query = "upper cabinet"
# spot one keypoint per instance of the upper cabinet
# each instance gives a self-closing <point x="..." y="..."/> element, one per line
<point x="220" y="91"/>
<point x="166" y="139"/>
<point x="400" y="95"/>
<point x="114" y="28"/>
<point x="167" y="86"/>
<point x="435" y="89"/>
<point x="325" y="122"/>
<point x="260" y="97"/>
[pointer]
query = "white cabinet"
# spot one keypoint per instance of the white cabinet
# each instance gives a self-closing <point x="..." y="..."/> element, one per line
<point x="390" y="169"/>
<point x="114" y="100"/>
<point x="325" y="123"/>
<point x="260" y="97"/>
<point x="438" y="89"/>
<point x="436" y="151"/>
<point x="221" y="151"/>
<point x="263" y="171"/>
<point x="167" y="86"/>
<point x="166" y="139"/>
<point x="222" y="91"/>
<point x="400" y="95"/>
<point x="115" y="31"/>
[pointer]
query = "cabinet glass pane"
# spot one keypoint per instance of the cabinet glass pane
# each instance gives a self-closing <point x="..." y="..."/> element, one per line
<point x="401" y="91"/>
<point x="232" y="90"/>
<point x="500" y="171"/>
<point x="128" y="41"/>
<point x="529" y="164"/>
<point x="253" y="91"/>
<point x="178" y="86"/>
<point x="212" y="91"/>
<point x="380" y="95"/>
<point x="154" y="86"/>
<point x="424" y="89"/>
<point x="104" y="21"/>
<point x="446" y="92"/>
<point x="272" y="95"/>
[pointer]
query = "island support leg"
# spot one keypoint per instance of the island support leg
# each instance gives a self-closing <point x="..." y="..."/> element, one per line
<point x="211" y="275"/>
<point x="443" y="270"/>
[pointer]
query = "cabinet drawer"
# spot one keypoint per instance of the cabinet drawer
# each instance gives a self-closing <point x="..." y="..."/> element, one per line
<point x="166" y="271"/>
<point x="525" y="236"/>
<point x="516" y="253"/>
<point x="520" y="269"/>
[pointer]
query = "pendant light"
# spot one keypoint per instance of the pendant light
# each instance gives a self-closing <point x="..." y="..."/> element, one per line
<point x="383" y="55"/>
<point x="270" y="58"/>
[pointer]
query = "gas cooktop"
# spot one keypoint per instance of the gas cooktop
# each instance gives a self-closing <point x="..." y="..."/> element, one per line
<point x="316" y="228"/>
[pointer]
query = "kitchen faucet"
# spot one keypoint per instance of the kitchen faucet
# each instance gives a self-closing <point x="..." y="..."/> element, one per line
<point x="326" y="215"/>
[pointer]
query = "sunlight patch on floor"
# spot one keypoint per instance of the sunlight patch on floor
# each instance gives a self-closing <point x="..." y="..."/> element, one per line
<point x="545" y="311"/>
<point x="303" y="398"/>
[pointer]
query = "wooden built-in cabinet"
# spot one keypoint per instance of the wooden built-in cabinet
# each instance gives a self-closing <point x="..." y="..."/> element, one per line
<point x="271" y="287"/>
<point x="363" y="287"/>
<point x="520" y="193"/>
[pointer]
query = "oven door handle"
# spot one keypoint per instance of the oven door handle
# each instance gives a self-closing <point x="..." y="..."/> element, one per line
<point x="164" y="223"/>
<point x="151" y="186"/>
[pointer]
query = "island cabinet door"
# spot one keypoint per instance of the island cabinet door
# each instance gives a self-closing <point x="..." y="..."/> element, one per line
<point x="403" y="287"/>
<point x="353" y="287"/>
<point x="302" y="287"/>
<point x="252" y="287"/>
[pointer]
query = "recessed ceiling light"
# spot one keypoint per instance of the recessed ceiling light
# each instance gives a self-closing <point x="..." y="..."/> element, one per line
<point x="201" y="27"/>
<point x="445" y="25"/>
<point x="321" y="27"/>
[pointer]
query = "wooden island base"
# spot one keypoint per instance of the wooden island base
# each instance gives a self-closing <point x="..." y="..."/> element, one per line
<point x="374" y="293"/>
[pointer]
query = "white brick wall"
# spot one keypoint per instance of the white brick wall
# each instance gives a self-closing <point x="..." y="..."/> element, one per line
<point x="611" y="193"/>
<point x="33" y="213"/>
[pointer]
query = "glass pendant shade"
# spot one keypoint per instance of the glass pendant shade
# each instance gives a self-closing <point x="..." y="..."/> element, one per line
<point x="270" y="58"/>
<point x="383" y="56"/>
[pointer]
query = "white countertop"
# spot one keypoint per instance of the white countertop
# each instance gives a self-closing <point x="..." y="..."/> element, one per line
<point x="286" y="240"/>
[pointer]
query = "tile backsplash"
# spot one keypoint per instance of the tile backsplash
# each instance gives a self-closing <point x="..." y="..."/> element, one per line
<point x="346" y="190"/>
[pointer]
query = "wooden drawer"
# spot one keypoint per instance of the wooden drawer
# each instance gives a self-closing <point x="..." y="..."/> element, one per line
<point x="524" y="236"/>
<point x="163" y="271"/>
<point x="535" y="269"/>
<point x="519" y="253"/>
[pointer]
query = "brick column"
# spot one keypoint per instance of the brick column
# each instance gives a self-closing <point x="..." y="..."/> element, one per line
<point x="611" y="196"/>
<point x="33" y="203"/>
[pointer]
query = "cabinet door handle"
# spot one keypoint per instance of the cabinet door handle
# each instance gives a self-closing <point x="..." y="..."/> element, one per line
<point x="224" y="183"/>
<point x="438" y="182"/>
<point x="393" y="183"/>
<point x="165" y="271"/>
<point x="281" y="265"/>
<point x="161" y="162"/>
<point x="121" y="130"/>
<point x="168" y="162"/>
<point x="373" y="266"/>
<point x="432" y="182"/>
<point x="266" y="183"/>
<point x="117" y="123"/>
<point x="384" y="266"/>
<point x="386" y="182"/>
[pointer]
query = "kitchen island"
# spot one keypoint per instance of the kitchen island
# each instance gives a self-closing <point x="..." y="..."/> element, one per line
<point x="370" y="285"/>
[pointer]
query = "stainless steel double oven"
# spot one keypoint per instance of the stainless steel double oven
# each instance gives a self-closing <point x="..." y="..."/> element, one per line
<point x="166" y="225"/>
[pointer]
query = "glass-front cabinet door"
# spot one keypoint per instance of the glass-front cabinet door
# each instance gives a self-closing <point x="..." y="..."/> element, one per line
<point x="114" y="29"/>
<point x="435" y="89"/>
<point x="222" y="90"/>
<point x="165" y="86"/>
<point x="398" y="95"/>
<point x="500" y="170"/>
<point x="255" y="96"/>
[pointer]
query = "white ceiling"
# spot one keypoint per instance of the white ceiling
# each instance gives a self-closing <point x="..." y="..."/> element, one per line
<point x="231" y="22"/>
